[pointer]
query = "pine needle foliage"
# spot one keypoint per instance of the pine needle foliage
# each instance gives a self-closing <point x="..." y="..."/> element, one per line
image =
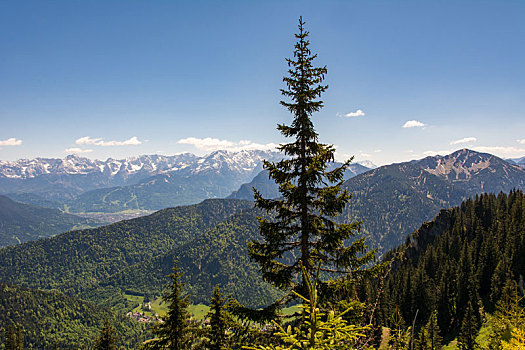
<point x="319" y="329"/>
<point x="174" y="332"/>
<point x="303" y="227"/>
<point x="220" y="321"/>
<point x="14" y="338"/>
<point x="107" y="340"/>
<point x="512" y="314"/>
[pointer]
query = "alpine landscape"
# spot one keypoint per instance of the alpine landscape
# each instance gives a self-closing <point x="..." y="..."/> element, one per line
<point x="187" y="221"/>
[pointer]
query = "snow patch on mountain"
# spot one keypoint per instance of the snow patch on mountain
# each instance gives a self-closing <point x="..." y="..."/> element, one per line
<point x="148" y="165"/>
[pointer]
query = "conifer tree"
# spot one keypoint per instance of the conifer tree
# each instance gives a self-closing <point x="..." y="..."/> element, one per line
<point x="174" y="332"/>
<point x="107" y="339"/>
<point x="429" y="337"/>
<point x="14" y="338"/>
<point x="219" y="319"/>
<point x="469" y="330"/>
<point x="311" y="196"/>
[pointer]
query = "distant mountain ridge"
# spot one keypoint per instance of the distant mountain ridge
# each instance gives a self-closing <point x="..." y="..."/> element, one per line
<point x="393" y="200"/>
<point x="518" y="161"/>
<point x="75" y="165"/>
<point x="209" y="238"/>
<point x="269" y="189"/>
<point x="62" y="180"/>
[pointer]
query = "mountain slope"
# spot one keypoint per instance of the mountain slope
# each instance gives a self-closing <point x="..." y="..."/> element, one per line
<point x="49" y="319"/>
<point x="77" y="174"/>
<point x="393" y="200"/>
<point x="466" y="254"/>
<point x="21" y="222"/>
<point x="269" y="188"/>
<point x="224" y="261"/>
<point x="518" y="161"/>
<point x="214" y="176"/>
<point x="76" y="261"/>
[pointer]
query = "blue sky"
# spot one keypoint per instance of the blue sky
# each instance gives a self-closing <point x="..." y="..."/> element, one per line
<point x="122" y="78"/>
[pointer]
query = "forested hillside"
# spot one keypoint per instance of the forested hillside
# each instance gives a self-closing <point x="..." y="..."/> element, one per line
<point x="219" y="256"/>
<point x="76" y="261"/>
<point x="466" y="255"/>
<point x="49" y="319"/>
<point x="22" y="223"/>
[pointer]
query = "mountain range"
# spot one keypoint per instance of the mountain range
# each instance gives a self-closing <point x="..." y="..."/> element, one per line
<point x="393" y="200"/>
<point x="106" y="265"/>
<point x="146" y="182"/>
<point x="80" y="185"/>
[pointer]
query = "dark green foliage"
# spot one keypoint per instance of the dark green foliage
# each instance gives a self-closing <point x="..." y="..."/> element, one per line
<point x="174" y="331"/>
<point x="75" y="262"/>
<point x="219" y="321"/>
<point x="107" y="340"/>
<point x="22" y="222"/>
<point x="14" y="338"/>
<point x="223" y="262"/>
<point x="469" y="329"/>
<point x="429" y="337"/>
<point x="304" y="228"/>
<point x="509" y="315"/>
<point x="459" y="263"/>
<point x="49" y="318"/>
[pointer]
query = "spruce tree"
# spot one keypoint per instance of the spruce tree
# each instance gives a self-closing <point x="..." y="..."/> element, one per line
<point x="14" y="338"/>
<point x="174" y="332"/>
<point x="303" y="228"/>
<point x="219" y="320"/>
<point x="107" y="339"/>
<point x="469" y="330"/>
<point x="429" y="338"/>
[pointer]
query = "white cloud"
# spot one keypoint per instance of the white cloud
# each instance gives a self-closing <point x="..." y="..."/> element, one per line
<point x="212" y="144"/>
<point x="86" y="140"/>
<point x="507" y="152"/>
<point x="76" y="150"/>
<point x="358" y="113"/>
<point x="413" y="124"/>
<point x="464" y="140"/>
<point x="522" y="141"/>
<point x="378" y="151"/>
<point x="11" y="142"/>
<point x="366" y="155"/>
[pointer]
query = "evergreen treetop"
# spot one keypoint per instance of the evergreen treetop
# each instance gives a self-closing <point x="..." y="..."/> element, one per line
<point x="311" y="197"/>
<point x="174" y="332"/>
<point x="107" y="339"/>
